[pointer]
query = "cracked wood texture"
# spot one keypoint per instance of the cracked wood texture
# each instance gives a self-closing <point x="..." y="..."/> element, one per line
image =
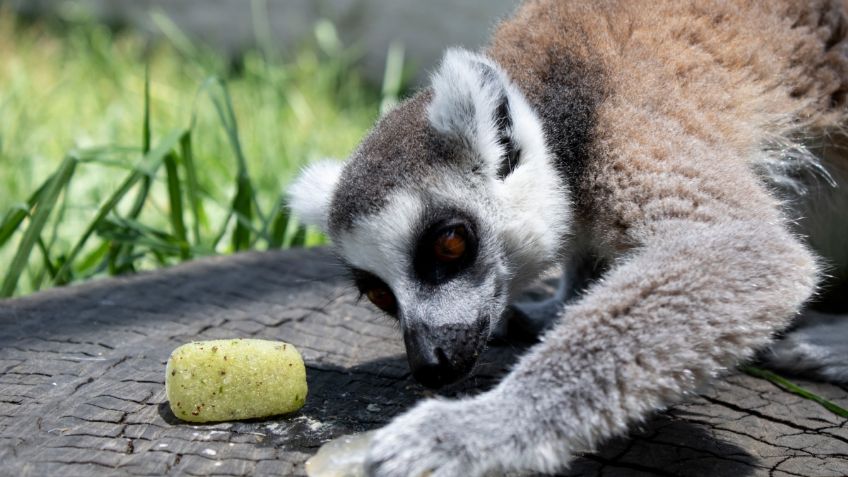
<point x="82" y="383"/>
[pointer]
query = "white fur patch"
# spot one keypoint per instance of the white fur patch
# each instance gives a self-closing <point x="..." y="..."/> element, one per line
<point x="311" y="193"/>
<point x="792" y="167"/>
<point x="535" y="201"/>
<point x="380" y="243"/>
<point x="464" y="102"/>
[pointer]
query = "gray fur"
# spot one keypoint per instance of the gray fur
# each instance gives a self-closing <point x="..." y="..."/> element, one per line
<point x="818" y="347"/>
<point x="633" y="163"/>
<point x="399" y="152"/>
<point x="567" y="104"/>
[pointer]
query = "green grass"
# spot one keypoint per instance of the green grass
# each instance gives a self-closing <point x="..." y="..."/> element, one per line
<point x="793" y="388"/>
<point x="118" y="156"/>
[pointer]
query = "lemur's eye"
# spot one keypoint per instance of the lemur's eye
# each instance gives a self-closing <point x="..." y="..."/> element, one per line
<point x="383" y="298"/>
<point x="450" y="244"/>
<point x="445" y="249"/>
<point x="376" y="290"/>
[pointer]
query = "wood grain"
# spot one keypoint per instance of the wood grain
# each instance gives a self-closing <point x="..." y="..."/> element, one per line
<point x="82" y="383"/>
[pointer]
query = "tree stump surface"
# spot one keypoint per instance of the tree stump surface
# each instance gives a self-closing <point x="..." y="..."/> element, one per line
<point x="82" y="383"/>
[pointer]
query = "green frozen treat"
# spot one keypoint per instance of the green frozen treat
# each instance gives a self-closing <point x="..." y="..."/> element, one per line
<point x="223" y="380"/>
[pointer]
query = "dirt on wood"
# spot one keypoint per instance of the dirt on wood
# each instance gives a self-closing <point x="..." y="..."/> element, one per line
<point x="82" y="383"/>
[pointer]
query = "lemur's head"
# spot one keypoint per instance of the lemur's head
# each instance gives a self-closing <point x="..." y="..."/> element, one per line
<point x="448" y="207"/>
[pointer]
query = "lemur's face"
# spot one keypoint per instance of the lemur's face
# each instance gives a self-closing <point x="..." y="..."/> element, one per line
<point x="448" y="207"/>
<point x="435" y="264"/>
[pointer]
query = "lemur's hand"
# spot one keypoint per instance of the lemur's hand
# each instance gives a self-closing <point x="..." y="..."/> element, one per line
<point x="430" y="437"/>
<point x="445" y="438"/>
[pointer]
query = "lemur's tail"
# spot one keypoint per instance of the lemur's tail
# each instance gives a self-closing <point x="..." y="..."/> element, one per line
<point x="818" y="347"/>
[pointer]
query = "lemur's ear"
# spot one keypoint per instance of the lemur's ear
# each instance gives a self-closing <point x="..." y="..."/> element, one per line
<point x="310" y="194"/>
<point x="471" y="101"/>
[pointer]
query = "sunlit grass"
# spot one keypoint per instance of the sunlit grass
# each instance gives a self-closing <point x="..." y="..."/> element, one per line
<point x="91" y="185"/>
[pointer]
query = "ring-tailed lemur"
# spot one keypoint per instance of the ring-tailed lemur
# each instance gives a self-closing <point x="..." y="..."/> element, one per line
<point x="684" y="147"/>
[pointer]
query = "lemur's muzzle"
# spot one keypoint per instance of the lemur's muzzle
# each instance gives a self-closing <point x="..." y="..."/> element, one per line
<point x="443" y="354"/>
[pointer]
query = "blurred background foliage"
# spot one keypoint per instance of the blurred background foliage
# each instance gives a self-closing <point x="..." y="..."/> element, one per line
<point x="119" y="154"/>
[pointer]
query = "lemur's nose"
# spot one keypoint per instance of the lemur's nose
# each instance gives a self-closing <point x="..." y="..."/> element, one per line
<point x="429" y="362"/>
<point x="432" y="368"/>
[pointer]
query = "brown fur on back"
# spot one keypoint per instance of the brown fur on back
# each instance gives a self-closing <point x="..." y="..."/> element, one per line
<point x="691" y="91"/>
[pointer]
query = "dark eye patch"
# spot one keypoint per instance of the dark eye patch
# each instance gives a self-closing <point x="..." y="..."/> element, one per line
<point x="429" y="261"/>
<point x="376" y="290"/>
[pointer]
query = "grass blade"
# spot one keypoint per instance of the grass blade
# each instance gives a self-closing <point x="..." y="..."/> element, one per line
<point x="192" y="187"/>
<point x="141" y="198"/>
<point x="174" y="35"/>
<point x="144" y="189"/>
<point x="92" y="262"/>
<point x="128" y="231"/>
<point x="228" y="121"/>
<point x="243" y="211"/>
<point x="33" y="233"/>
<point x="176" y="203"/>
<point x="299" y="238"/>
<point x="148" y="165"/>
<point x="13" y="218"/>
<point x="17" y="213"/>
<point x="244" y="202"/>
<point x="795" y="389"/>
<point x="227" y="116"/>
<point x="223" y="232"/>
<point x="145" y="125"/>
<point x="45" y="254"/>
<point x="279" y="225"/>
<point x="392" y="77"/>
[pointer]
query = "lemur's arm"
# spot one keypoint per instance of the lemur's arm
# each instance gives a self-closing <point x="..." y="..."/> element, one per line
<point x="696" y="294"/>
